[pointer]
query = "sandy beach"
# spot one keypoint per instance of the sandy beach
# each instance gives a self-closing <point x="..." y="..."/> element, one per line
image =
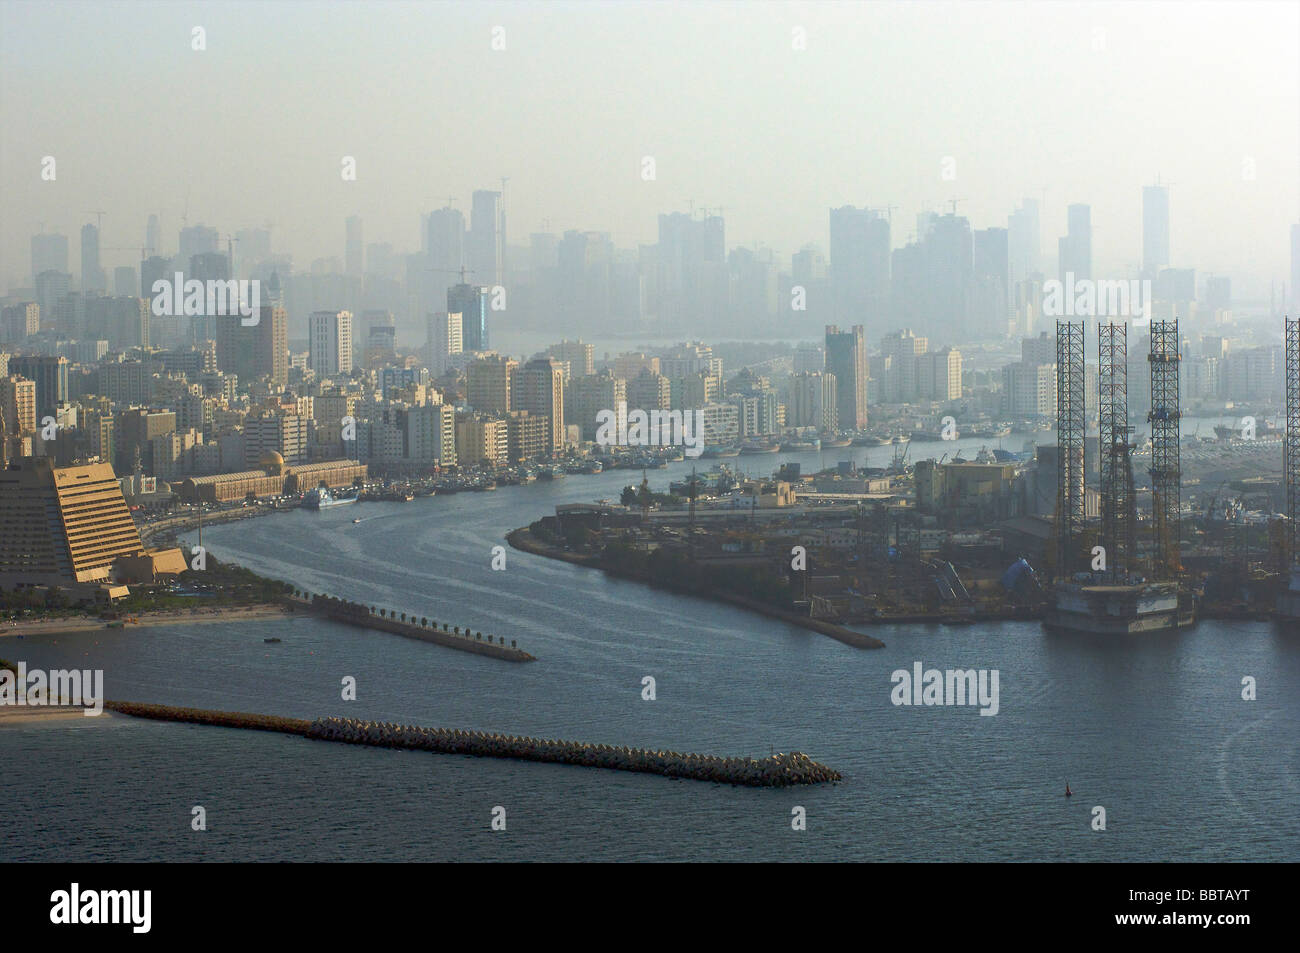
<point x="26" y="714"/>
<point x="193" y="616"/>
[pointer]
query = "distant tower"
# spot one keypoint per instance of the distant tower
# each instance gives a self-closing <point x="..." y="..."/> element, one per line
<point x="93" y="278"/>
<point x="1155" y="229"/>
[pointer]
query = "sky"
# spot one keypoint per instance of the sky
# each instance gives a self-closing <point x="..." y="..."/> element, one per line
<point x="1063" y="102"/>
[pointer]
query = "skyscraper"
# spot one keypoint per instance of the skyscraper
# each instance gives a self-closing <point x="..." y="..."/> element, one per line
<point x="444" y="341"/>
<point x="1295" y="269"/>
<point x="1155" y="229"/>
<point x="487" y="238"/>
<point x="539" y="389"/>
<point x="1024" y="242"/>
<point x="353" y="251"/>
<point x="49" y="253"/>
<point x="846" y="358"/>
<point x="471" y="303"/>
<point x="93" y="278"/>
<point x="153" y="237"/>
<point x="859" y="265"/>
<point x="1075" y="249"/>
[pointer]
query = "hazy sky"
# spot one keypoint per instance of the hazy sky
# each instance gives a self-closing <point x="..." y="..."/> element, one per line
<point x="1065" y="102"/>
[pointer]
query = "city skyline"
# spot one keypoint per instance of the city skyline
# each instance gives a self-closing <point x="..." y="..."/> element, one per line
<point x="1023" y="130"/>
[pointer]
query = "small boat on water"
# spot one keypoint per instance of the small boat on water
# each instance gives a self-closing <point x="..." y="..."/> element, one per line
<point x="759" y="447"/>
<point x="357" y="520"/>
<point x="271" y="640"/>
<point x="836" y="441"/>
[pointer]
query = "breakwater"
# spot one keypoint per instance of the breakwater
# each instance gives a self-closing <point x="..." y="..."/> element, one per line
<point x="778" y="770"/>
<point x="424" y="629"/>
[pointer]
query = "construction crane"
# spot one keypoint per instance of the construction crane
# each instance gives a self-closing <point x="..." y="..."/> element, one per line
<point x="889" y="212"/>
<point x="99" y="217"/>
<point x="953" y="203"/>
<point x="462" y="271"/>
<point x="142" y="249"/>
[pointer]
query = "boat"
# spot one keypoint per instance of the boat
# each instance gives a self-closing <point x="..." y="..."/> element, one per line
<point x="271" y="640"/>
<point x="836" y="441"/>
<point x="759" y="447"/>
<point x="321" y="497"/>
<point x="723" y="451"/>
<point x="801" y="446"/>
<point x="357" y="520"/>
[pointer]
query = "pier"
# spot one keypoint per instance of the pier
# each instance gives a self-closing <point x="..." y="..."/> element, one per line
<point x="778" y="770"/>
<point x="424" y="629"/>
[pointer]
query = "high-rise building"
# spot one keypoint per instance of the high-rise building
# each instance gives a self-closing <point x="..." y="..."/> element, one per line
<point x="197" y="240"/>
<point x="813" y="401"/>
<point x="933" y="281"/>
<point x="689" y="271"/>
<point x="991" y="304"/>
<point x="487" y="237"/>
<point x="18" y="321"/>
<point x="1295" y="269"/>
<point x="252" y="352"/>
<point x="124" y="281"/>
<point x="1155" y="229"/>
<point x="587" y="395"/>
<point x="62" y="525"/>
<point x="859" y="265"/>
<point x="354" y="254"/>
<point x="51" y="377"/>
<point x="49" y="253"/>
<point x="51" y="287"/>
<point x="93" y="279"/>
<point x="153" y="237"/>
<point x="489" y="384"/>
<point x="1075" y="248"/>
<point x="846" y="358"/>
<point x="939" y="375"/>
<point x="539" y="389"/>
<point x="444" y="241"/>
<point x="1024" y="242"/>
<point x="431" y="435"/>
<point x="330" y="342"/>
<point x="285" y="434"/>
<point x="17" y="405"/>
<point x="471" y="303"/>
<point x="579" y="356"/>
<point x="445" y="340"/>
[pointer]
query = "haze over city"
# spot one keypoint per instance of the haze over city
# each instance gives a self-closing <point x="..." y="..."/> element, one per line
<point x="1064" y="103"/>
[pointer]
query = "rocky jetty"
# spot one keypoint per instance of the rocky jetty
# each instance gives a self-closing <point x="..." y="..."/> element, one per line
<point x="780" y="770"/>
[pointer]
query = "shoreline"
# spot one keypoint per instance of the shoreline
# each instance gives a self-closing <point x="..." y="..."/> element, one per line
<point x="524" y="541"/>
<point x="259" y="612"/>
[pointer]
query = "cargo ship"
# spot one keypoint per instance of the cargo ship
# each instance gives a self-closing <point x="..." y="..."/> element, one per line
<point x="1110" y="608"/>
<point x="321" y="497"/>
